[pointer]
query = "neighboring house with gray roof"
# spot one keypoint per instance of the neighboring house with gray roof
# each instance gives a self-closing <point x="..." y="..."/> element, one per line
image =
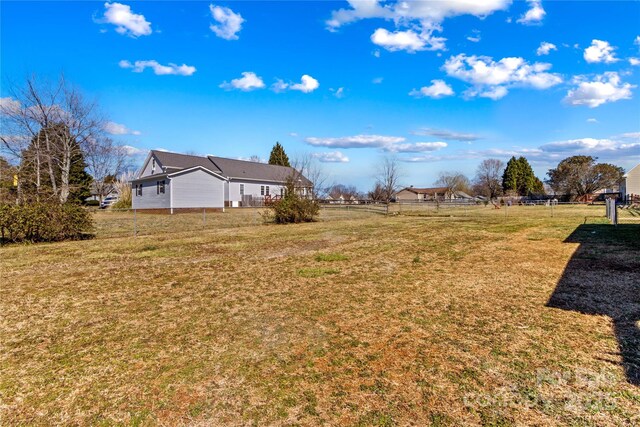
<point x="177" y="181"/>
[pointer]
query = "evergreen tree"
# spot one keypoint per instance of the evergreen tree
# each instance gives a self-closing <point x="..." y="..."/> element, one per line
<point x="40" y="168"/>
<point x="518" y="178"/>
<point x="79" y="180"/>
<point x="511" y="175"/>
<point x="278" y="156"/>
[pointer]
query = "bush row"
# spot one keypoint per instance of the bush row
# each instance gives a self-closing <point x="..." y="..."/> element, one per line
<point x="44" y="222"/>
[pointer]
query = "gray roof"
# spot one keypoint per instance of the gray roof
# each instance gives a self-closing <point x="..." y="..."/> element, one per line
<point x="232" y="168"/>
<point x="243" y="169"/>
<point x="178" y="161"/>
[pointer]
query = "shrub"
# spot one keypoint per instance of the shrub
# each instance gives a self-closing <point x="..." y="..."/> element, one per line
<point x="44" y="222"/>
<point x="123" y="188"/>
<point x="293" y="208"/>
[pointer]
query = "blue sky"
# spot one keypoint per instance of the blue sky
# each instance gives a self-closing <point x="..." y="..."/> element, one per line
<point x="440" y="85"/>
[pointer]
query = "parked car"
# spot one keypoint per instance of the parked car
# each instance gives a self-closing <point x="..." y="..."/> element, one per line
<point x="108" y="201"/>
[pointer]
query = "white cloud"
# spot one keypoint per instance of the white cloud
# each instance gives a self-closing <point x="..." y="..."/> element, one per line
<point x="228" y="24"/>
<point x="545" y="48"/>
<point x="294" y="134"/>
<point x="604" y="88"/>
<point x="133" y="151"/>
<point x="377" y="80"/>
<point x="356" y="141"/>
<point x="634" y="61"/>
<point x="491" y="79"/>
<point x="307" y="84"/>
<point x="600" y="51"/>
<point x="438" y="89"/>
<point x="338" y="93"/>
<point x="445" y="134"/>
<point x="415" y="21"/>
<point x="588" y="144"/>
<point x="409" y="40"/>
<point x="9" y="105"/>
<point x="279" y="86"/>
<point x="114" y="128"/>
<point x="407" y="11"/>
<point x="636" y="41"/>
<point x="417" y="147"/>
<point x="606" y="149"/>
<point x="494" y="92"/>
<point x="592" y="120"/>
<point x="159" y="69"/>
<point x="126" y="22"/>
<point x="534" y="15"/>
<point x="331" y="157"/>
<point x="248" y="82"/>
<point x="376" y="53"/>
<point x="475" y="37"/>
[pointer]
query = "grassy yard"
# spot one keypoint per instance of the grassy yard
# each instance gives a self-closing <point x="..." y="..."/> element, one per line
<point x="360" y="319"/>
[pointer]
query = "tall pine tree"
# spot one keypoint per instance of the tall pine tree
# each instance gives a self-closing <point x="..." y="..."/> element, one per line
<point x="518" y="178"/>
<point x="278" y="156"/>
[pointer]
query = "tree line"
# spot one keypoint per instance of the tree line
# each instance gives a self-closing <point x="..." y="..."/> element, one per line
<point x="573" y="178"/>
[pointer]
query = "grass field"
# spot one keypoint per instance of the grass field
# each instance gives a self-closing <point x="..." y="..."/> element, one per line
<point x="360" y="319"/>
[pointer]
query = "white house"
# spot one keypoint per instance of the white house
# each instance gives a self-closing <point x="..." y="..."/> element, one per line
<point x="180" y="181"/>
<point x="630" y="185"/>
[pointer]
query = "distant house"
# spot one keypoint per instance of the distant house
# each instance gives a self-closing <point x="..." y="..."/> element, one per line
<point x="630" y="185"/>
<point x="100" y="191"/>
<point x="414" y="194"/>
<point x="180" y="181"/>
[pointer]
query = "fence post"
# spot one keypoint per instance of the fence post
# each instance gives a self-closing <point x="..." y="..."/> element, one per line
<point x="204" y="217"/>
<point x="135" y="224"/>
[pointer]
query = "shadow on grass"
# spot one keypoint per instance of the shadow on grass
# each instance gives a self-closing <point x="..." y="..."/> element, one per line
<point x="603" y="278"/>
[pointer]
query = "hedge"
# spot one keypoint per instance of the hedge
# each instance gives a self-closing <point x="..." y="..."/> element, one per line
<point x="44" y="222"/>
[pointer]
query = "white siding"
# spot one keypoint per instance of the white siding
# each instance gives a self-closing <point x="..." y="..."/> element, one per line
<point x="253" y="188"/>
<point x="150" y="198"/>
<point x="632" y="181"/>
<point x="197" y="189"/>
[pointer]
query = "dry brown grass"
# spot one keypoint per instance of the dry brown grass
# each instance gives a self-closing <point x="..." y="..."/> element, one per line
<point x="402" y="320"/>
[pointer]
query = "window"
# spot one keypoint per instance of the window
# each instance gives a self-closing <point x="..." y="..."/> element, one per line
<point x="139" y="190"/>
<point x="281" y="192"/>
<point x="160" y="187"/>
<point x="267" y="190"/>
<point x="241" y="190"/>
<point x="153" y="165"/>
<point x="262" y="190"/>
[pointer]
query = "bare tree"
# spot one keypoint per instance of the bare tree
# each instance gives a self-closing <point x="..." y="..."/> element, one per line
<point x="488" y="178"/>
<point x="347" y="192"/>
<point x="105" y="161"/>
<point x="308" y="166"/>
<point x="454" y="182"/>
<point x="53" y="121"/>
<point x="388" y="177"/>
<point x="377" y="194"/>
